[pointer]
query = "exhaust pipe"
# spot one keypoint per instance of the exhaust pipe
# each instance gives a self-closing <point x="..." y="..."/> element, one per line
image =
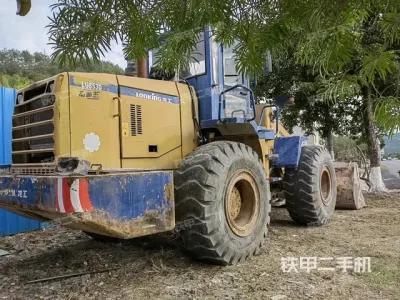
<point x="142" y="70"/>
<point x="137" y="68"/>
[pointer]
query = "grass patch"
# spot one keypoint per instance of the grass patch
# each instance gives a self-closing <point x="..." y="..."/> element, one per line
<point x="383" y="273"/>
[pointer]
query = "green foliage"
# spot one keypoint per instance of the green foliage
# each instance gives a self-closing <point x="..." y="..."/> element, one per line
<point x="338" y="87"/>
<point x="346" y="149"/>
<point x="24" y="64"/>
<point x="20" y="68"/>
<point x="14" y="81"/>
<point x="176" y="43"/>
<point x="388" y="112"/>
<point x="85" y="29"/>
<point x="324" y="105"/>
<point x="390" y="25"/>
<point x="379" y="64"/>
<point x="350" y="47"/>
<point x="352" y="58"/>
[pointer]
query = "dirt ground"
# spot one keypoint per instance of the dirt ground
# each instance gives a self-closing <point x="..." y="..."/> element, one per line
<point x="158" y="269"/>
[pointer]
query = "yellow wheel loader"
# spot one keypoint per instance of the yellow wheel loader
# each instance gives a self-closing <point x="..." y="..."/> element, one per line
<point x="123" y="157"/>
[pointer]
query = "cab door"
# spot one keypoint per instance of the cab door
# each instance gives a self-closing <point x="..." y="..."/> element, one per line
<point x="150" y="118"/>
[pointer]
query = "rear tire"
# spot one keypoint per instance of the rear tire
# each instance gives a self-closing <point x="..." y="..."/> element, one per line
<point x="222" y="203"/>
<point x="310" y="190"/>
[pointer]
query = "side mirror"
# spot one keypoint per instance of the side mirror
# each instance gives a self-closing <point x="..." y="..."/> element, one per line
<point x="23" y="7"/>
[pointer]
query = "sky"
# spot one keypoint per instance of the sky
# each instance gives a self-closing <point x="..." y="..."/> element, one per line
<point x="29" y="32"/>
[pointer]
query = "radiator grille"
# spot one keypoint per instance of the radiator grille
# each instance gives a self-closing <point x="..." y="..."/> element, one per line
<point x="41" y="169"/>
<point x="136" y="120"/>
<point x="33" y="126"/>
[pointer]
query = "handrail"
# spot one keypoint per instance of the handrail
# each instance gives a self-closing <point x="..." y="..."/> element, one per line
<point x="276" y="119"/>
<point x="222" y="101"/>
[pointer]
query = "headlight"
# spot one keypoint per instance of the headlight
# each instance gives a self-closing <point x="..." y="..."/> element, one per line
<point x="20" y="99"/>
<point x="51" y="87"/>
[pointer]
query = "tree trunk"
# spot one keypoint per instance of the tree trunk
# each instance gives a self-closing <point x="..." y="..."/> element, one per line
<point x="376" y="180"/>
<point x="328" y="130"/>
<point x="329" y="144"/>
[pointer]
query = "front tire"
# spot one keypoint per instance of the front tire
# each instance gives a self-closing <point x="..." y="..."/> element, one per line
<point x="310" y="190"/>
<point x="222" y="203"/>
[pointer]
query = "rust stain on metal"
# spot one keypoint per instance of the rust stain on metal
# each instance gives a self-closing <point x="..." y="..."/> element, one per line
<point x="349" y="194"/>
<point x="169" y="192"/>
<point x="102" y="223"/>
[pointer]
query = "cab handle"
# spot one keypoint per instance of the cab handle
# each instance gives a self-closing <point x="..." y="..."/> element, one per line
<point x="116" y="109"/>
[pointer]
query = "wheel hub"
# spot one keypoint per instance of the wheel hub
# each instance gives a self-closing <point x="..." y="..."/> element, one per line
<point x="242" y="202"/>
<point x="235" y="204"/>
<point x="325" y="187"/>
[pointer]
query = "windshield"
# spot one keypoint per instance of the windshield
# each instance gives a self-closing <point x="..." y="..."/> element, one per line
<point x="237" y="101"/>
<point x="231" y="75"/>
<point x="197" y="61"/>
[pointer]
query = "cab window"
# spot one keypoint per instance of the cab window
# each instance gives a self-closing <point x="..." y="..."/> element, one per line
<point x="231" y="75"/>
<point x="197" y="62"/>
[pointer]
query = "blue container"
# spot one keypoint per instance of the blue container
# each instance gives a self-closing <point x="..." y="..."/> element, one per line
<point x="10" y="223"/>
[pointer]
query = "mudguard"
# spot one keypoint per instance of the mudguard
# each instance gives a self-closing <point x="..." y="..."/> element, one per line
<point x="287" y="151"/>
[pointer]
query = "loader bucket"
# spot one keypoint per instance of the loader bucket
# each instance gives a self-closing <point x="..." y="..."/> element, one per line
<point x="349" y="194"/>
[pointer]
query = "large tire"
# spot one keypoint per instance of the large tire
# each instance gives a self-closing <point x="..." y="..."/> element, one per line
<point x="310" y="190"/>
<point x="222" y="203"/>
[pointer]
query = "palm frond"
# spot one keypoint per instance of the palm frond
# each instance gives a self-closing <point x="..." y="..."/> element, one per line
<point x="387" y="114"/>
<point x="338" y="88"/>
<point x="379" y="64"/>
<point x="390" y="25"/>
<point x="81" y="30"/>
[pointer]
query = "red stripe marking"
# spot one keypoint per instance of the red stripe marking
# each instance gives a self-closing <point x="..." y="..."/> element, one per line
<point x="67" y="196"/>
<point x="84" y="195"/>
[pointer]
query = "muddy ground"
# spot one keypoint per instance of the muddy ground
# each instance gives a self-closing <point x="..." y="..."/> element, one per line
<point x="158" y="269"/>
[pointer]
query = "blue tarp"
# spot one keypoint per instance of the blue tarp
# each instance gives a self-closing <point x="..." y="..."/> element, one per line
<point x="10" y="223"/>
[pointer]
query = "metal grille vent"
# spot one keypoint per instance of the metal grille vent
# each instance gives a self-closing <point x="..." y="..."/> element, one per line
<point x="136" y="120"/>
<point x="43" y="169"/>
<point x="33" y="126"/>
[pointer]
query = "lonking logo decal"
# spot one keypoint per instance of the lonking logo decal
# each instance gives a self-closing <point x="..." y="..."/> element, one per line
<point x="147" y="95"/>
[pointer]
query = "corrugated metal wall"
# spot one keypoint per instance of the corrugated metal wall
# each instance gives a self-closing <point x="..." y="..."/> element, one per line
<point x="7" y="99"/>
<point x="10" y="223"/>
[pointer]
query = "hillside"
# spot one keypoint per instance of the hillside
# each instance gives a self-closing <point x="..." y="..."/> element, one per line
<point x="392" y="145"/>
<point x="20" y="68"/>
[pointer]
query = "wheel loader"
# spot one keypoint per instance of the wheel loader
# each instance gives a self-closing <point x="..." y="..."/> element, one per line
<point x="124" y="157"/>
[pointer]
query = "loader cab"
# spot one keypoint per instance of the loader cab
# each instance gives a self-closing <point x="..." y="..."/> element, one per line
<point x="223" y="92"/>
